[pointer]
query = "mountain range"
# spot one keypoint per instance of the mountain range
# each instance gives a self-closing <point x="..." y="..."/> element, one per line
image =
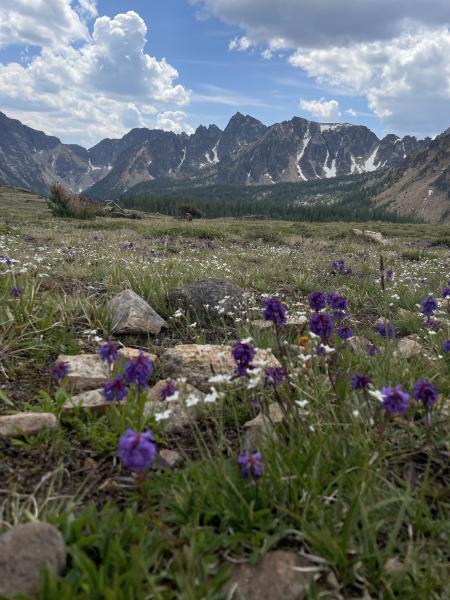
<point x="246" y="152"/>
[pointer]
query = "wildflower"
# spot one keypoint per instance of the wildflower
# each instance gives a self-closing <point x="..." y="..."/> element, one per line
<point x="446" y="345"/>
<point x="109" y="352"/>
<point x="274" y="376"/>
<point x="428" y="306"/>
<point x="275" y="311"/>
<point x="360" y="381"/>
<point x="137" y="451"/>
<point x="338" y="265"/>
<point x="373" y="350"/>
<point x="243" y="354"/>
<point x="59" y="370"/>
<point x="386" y="330"/>
<point x="317" y="301"/>
<point x="169" y="390"/>
<point x="251" y="464"/>
<point x="344" y="332"/>
<point x="389" y="275"/>
<point x="115" y="389"/>
<point x="446" y="292"/>
<point x="425" y="391"/>
<point x="395" y="400"/>
<point x="321" y="324"/>
<point x="16" y="292"/>
<point x="337" y="302"/>
<point x="138" y="370"/>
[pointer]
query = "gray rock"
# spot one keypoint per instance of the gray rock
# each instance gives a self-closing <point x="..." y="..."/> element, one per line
<point x="279" y="575"/>
<point x="90" y="401"/>
<point x="26" y="424"/>
<point x="409" y="347"/>
<point x="210" y="298"/>
<point x="261" y="428"/>
<point x="25" y="551"/>
<point x="132" y="314"/>
<point x="171" y="457"/>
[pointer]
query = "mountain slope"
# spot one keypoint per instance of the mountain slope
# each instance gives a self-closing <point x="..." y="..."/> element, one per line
<point x="421" y="187"/>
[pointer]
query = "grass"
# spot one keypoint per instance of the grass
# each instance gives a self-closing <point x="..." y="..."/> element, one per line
<point x="369" y="498"/>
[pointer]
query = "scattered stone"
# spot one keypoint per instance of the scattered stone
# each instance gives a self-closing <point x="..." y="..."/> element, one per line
<point x="171" y="458"/>
<point x="210" y="298"/>
<point x="132" y="314"/>
<point x="410" y="346"/>
<point x="261" y="324"/>
<point x="405" y="314"/>
<point x="91" y="401"/>
<point x="197" y="363"/>
<point x="27" y="423"/>
<point x="375" y="236"/>
<point x="25" y="551"/>
<point x="360" y="344"/>
<point x="259" y="429"/>
<point x="279" y="575"/>
<point x="89" y="371"/>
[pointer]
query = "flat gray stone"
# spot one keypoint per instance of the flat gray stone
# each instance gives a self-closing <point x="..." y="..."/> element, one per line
<point x="209" y="298"/>
<point x="261" y="428"/>
<point x="27" y="423"/>
<point x="25" y="551"/>
<point x="132" y="314"/>
<point x="409" y="347"/>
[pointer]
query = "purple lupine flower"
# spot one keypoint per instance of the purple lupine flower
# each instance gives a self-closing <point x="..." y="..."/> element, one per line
<point x="115" y="389"/>
<point x="243" y="354"/>
<point x="338" y="265"/>
<point x="317" y="301"/>
<point x="373" y="350"/>
<point x="275" y="311"/>
<point x="16" y="292"/>
<point x="137" y="450"/>
<point x="138" y="370"/>
<point x="426" y="391"/>
<point x="168" y="390"/>
<point x="210" y="246"/>
<point x="360" y="381"/>
<point x="428" y="305"/>
<point x="251" y="464"/>
<point x="59" y="370"/>
<point x="348" y="272"/>
<point x="321" y="324"/>
<point x="109" y="352"/>
<point x="344" y="332"/>
<point x="386" y="330"/>
<point x="446" y="292"/>
<point x="389" y="275"/>
<point x="395" y="400"/>
<point x="274" y="376"/>
<point x="337" y="302"/>
<point x="446" y="345"/>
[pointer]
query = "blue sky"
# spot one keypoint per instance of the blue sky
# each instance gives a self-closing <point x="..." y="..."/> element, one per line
<point x="84" y="70"/>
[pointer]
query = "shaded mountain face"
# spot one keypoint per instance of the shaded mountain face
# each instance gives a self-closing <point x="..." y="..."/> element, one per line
<point x="421" y="186"/>
<point x="246" y="152"/>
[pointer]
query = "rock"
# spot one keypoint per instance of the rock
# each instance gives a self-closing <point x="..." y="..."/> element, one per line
<point x="89" y="371"/>
<point x="24" y="551"/>
<point x="359" y="344"/>
<point x="27" y="423"/>
<point x="172" y="458"/>
<point x="279" y="575"/>
<point x="132" y="314"/>
<point x="409" y="347"/>
<point x="405" y="314"/>
<point x="210" y="298"/>
<point x="91" y="401"/>
<point x="375" y="236"/>
<point x="197" y="363"/>
<point x="261" y="427"/>
<point x="261" y="324"/>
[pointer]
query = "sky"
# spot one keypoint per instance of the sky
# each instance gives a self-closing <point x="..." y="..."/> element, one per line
<point x="84" y="70"/>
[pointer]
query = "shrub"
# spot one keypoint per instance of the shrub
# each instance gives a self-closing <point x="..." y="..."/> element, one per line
<point x="64" y="203"/>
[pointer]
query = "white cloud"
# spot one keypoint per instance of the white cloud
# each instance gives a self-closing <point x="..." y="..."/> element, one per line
<point x="351" y="112"/>
<point x="173" y="121"/>
<point x="240" y="44"/>
<point x="100" y="88"/>
<point x="324" y="110"/>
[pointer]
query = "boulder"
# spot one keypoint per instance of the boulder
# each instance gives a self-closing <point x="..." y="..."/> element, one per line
<point x="27" y="423"/>
<point x="25" y="550"/>
<point x="209" y="298"/>
<point x="197" y="363"/>
<point x="90" y="401"/>
<point x="410" y="346"/>
<point x="132" y="314"/>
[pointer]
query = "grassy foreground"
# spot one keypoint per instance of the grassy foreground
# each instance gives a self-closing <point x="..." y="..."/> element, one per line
<point x="365" y="494"/>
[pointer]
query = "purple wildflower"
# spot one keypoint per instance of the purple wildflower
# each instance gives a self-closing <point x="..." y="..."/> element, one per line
<point x="251" y="464"/>
<point x="389" y="275"/>
<point x="275" y="311"/>
<point x="59" y="370"/>
<point x="446" y="345"/>
<point x="109" y="352"/>
<point x="344" y="332"/>
<point x="360" y="381"/>
<point x="115" y="389"/>
<point x="321" y="324"/>
<point x="446" y="292"/>
<point x="243" y="354"/>
<point x="16" y="292"/>
<point x="428" y="306"/>
<point x="137" y="450"/>
<point x="426" y="391"/>
<point x="138" y="370"/>
<point x="337" y="302"/>
<point x="373" y="350"/>
<point x="168" y="390"/>
<point x="395" y="400"/>
<point x="274" y="376"/>
<point x="338" y="265"/>
<point x="317" y="301"/>
<point x="386" y="330"/>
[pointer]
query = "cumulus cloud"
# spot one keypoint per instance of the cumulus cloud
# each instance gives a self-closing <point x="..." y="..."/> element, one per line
<point x="99" y="88"/>
<point x="173" y="121"/>
<point x="323" y="110"/>
<point x="240" y="44"/>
